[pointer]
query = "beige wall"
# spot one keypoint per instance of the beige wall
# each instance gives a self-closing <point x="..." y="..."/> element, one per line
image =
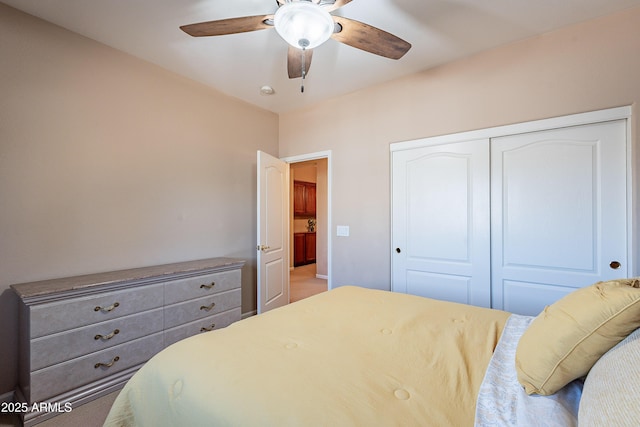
<point x="591" y="66"/>
<point x="109" y="162"/>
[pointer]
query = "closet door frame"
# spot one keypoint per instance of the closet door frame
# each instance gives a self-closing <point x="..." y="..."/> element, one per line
<point x="611" y="114"/>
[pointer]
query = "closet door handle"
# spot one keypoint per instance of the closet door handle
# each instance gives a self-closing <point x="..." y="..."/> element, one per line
<point x="615" y="265"/>
<point x="398" y="250"/>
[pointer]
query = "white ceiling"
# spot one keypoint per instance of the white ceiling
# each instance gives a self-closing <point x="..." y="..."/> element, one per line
<point x="240" y="64"/>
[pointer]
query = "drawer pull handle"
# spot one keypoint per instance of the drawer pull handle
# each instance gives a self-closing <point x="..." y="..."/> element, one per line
<point x="107" y="365"/>
<point x="209" y="329"/>
<point x="107" y="337"/>
<point x="107" y="309"/>
<point x="208" y="307"/>
<point x="208" y="286"/>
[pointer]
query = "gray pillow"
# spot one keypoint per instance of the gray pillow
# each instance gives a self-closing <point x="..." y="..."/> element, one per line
<point x="611" y="389"/>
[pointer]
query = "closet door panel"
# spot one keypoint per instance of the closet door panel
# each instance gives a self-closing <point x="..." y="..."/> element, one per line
<point x="441" y="222"/>
<point x="548" y="198"/>
<point x="558" y="213"/>
<point x="526" y="298"/>
<point x="446" y="287"/>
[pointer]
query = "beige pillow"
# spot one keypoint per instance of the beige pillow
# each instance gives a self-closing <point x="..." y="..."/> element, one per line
<point x="568" y="337"/>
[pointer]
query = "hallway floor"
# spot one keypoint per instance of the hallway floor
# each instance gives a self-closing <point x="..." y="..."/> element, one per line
<point x="304" y="283"/>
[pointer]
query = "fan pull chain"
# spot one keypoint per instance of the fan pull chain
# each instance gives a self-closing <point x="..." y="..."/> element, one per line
<point x="303" y="71"/>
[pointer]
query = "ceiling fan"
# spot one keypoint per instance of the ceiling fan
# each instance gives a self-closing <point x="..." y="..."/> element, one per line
<point x="304" y="25"/>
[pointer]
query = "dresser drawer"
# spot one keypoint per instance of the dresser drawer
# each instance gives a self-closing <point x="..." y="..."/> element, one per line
<point x="52" y="349"/>
<point x="195" y="287"/>
<point x="200" y="308"/>
<point x="63" y="315"/>
<point x="54" y="380"/>
<point x="207" y="324"/>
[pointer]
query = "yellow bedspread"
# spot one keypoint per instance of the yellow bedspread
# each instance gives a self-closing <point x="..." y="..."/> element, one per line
<point x="347" y="357"/>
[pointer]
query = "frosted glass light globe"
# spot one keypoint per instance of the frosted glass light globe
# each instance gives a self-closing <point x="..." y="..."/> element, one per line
<point x="303" y="24"/>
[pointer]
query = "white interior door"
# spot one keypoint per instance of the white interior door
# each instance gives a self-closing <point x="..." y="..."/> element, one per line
<point x="558" y="213"/>
<point x="273" y="232"/>
<point x="440" y="199"/>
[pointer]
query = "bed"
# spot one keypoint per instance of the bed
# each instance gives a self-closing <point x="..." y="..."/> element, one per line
<point x="362" y="357"/>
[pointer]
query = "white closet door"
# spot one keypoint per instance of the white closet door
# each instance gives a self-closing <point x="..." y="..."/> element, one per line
<point x="558" y="213"/>
<point x="441" y="246"/>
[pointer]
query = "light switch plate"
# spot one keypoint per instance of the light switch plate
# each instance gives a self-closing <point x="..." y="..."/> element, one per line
<point x="342" y="230"/>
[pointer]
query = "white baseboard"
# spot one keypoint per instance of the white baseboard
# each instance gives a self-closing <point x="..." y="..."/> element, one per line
<point x="7" y="397"/>
<point x="322" y="276"/>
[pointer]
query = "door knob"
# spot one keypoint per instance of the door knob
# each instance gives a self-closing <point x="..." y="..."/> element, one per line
<point x="398" y="250"/>
<point x="262" y="248"/>
<point x="615" y="265"/>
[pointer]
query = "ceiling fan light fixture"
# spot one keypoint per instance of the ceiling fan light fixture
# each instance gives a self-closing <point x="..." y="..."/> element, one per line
<point x="303" y="24"/>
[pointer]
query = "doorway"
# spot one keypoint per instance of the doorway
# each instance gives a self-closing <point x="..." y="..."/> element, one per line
<point x="309" y="243"/>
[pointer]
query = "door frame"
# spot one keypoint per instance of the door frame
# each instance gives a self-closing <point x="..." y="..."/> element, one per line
<point x="316" y="156"/>
<point x="610" y="114"/>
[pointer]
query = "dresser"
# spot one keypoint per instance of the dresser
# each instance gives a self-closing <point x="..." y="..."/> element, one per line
<point x="83" y="337"/>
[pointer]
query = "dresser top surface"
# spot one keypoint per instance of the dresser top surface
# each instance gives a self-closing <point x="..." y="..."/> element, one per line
<point x="45" y="287"/>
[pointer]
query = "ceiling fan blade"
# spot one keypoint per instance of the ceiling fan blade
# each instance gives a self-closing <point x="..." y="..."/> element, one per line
<point x="370" y="39"/>
<point x="294" y="62"/>
<point x="338" y="4"/>
<point x="228" y="26"/>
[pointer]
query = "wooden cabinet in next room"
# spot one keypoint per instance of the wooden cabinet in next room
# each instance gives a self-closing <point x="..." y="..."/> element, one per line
<point x="304" y="248"/>
<point x="304" y="199"/>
